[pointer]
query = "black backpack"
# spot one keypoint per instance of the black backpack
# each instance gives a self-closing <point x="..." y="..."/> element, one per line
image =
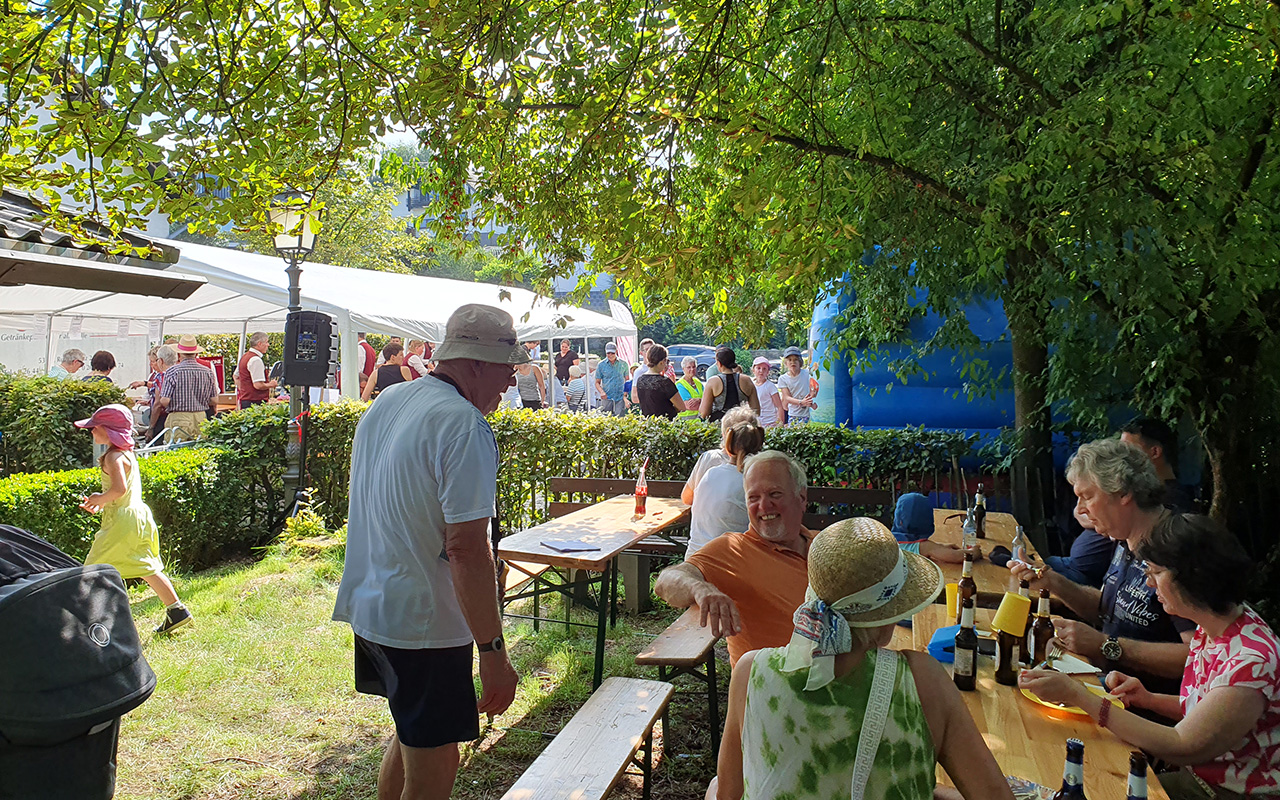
<point x="70" y="666"/>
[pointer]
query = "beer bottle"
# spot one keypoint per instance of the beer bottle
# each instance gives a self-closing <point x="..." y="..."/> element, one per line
<point x="1006" y="658"/>
<point x="1137" y="777"/>
<point x="1073" y="773"/>
<point x="1041" y="630"/>
<point x="980" y="513"/>
<point x="964" y="671"/>
<point x="968" y="586"/>
<point x="1024" y="653"/>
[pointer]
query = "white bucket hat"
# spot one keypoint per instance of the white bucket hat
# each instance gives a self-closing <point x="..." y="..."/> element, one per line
<point x="483" y="333"/>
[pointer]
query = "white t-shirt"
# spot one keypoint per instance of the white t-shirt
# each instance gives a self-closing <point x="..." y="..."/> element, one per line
<point x="799" y="389"/>
<point x="719" y="507"/>
<point x="768" y="411"/>
<point x="709" y="459"/>
<point x="422" y="457"/>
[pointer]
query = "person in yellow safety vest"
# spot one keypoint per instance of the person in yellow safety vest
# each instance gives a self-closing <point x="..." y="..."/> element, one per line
<point x="690" y="388"/>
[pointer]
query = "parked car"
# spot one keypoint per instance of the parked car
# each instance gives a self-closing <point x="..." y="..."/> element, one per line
<point x="704" y="354"/>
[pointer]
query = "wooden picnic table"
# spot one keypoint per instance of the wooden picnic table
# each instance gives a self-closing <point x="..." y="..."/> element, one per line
<point x="1028" y="739"/>
<point x="992" y="581"/>
<point x="611" y="526"/>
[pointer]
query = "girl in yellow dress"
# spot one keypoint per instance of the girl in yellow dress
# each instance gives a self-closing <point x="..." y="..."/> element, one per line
<point x="129" y="539"/>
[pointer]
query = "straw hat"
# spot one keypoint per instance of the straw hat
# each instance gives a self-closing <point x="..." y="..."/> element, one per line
<point x="483" y="333"/>
<point x="856" y="566"/>
<point x="187" y="344"/>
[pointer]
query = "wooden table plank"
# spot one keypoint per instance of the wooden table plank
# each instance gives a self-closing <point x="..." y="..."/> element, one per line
<point x="589" y="756"/>
<point x="683" y="644"/>
<point x="610" y="525"/>
<point x="1029" y="740"/>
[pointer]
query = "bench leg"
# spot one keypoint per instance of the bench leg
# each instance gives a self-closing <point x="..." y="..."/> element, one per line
<point x="537" y="586"/>
<point x="602" y="617"/>
<point x="635" y="581"/>
<point x="666" y="718"/>
<point x="646" y="765"/>
<point x="713" y="706"/>
<point x="613" y="595"/>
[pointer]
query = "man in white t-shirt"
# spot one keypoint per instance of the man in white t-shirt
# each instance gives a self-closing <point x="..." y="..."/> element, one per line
<point x="645" y="344"/>
<point x="767" y="392"/>
<point x="419" y="584"/>
<point x="795" y="388"/>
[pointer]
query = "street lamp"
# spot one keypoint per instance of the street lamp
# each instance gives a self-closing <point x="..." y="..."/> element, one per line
<point x="295" y="237"/>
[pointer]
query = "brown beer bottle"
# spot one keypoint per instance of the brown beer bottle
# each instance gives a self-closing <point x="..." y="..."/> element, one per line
<point x="964" y="671"/>
<point x="1137" y="789"/>
<point x="1041" y="630"/>
<point x="980" y="513"/>
<point x="1024" y="652"/>
<point x="968" y="586"/>
<point x="1072" y="773"/>
<point x="1006" y="658"/>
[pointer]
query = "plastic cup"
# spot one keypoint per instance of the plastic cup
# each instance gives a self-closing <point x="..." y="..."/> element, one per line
<point x="1012" y="615"/>
<point x="953" y="597"/>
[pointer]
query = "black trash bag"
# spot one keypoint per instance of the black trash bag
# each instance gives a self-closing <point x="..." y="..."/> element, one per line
<point x="71" y="664"/>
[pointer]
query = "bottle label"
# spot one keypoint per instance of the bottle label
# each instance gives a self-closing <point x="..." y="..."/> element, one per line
<point x="1073" y="774"/>
<point x="1042" y="610"/>
<point x="966" y="617"/>
<point x="1137" y="787"/>
<point x="964" y="662"/>
<point x="1001" y="655"/>
<point x="967" y="570"/>
<point x="1031" y="644"/>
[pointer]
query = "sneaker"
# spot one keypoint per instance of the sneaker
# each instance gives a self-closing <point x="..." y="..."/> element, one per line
<point x="174" y="618"/>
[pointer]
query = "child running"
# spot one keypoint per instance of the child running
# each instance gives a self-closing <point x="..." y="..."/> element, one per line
<point x="129" y="539"/>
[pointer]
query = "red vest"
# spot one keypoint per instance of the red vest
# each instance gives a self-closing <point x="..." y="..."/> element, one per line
<point x="245" y="393"/>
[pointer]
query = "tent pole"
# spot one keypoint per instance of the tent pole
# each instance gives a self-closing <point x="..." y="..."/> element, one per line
<point x="348" y="356"/>
<point x="244" y="333"/>
<point x="49" y="348"/>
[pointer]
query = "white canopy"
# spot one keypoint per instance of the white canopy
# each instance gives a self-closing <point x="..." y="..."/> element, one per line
<point x="246" y="291"/>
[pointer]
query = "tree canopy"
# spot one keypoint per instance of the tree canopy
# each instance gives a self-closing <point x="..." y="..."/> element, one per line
<point x="1106" y="168"/>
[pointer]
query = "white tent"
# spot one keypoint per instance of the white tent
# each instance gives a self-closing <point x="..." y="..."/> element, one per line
<point x="246" y="291"/>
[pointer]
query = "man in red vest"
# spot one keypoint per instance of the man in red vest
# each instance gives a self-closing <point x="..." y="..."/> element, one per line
<point x="252" y="386"/>
<point x="368" y="360"/>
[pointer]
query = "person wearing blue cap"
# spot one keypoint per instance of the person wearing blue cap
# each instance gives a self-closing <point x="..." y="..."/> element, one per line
<point x="913" y="525"/>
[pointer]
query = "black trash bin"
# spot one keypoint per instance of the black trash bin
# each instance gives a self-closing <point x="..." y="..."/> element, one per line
<point x="70" y="665"/>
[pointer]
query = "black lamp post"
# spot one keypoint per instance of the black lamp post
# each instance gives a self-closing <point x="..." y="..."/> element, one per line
<point x="295" y="237"/>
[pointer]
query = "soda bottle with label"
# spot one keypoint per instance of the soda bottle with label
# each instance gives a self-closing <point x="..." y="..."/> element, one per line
<point x="642" y="490"/>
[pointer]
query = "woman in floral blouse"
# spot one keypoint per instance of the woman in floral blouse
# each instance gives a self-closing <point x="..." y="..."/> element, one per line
<point x="1228" y="735"/>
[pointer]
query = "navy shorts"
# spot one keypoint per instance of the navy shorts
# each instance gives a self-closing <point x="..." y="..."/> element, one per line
<point x="430" y="692"/>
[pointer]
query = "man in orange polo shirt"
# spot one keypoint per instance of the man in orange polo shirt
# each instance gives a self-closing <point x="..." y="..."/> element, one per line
<point x="748" y="585"/>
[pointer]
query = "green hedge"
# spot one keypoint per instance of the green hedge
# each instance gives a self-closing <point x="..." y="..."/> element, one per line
<point x="197" y="495"/>
<point x="36" y="434"/>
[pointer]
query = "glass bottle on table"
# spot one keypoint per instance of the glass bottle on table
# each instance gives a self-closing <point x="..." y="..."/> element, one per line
<point x="1072" y="773"/>
<point x="1137" y="789"/>
<point x="642" y="490"/>
<point x="1041" y="631"/>
<point x="1024" y="650"/>
<point x="969" y="531"/>
<point x="964" y="670"/>
<point x="1019" y="545"/>
<point x="980" y="514"/>
<point x="968" y="586"/>
<point x="1006" y="658"/>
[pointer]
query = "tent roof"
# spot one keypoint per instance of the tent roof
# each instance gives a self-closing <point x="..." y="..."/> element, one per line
<point x="247" y="287"/>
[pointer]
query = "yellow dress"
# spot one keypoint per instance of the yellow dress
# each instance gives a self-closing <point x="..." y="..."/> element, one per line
<point x="129" y="539"/>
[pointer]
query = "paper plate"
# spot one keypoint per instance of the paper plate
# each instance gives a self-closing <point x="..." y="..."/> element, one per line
<point x="1098" y="690"/>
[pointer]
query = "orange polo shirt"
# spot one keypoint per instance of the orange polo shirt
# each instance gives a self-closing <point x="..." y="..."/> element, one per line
<point x="766" y="581"/>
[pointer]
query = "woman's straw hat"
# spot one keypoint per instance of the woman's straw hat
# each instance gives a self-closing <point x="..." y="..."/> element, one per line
<point x="856" y="566"/>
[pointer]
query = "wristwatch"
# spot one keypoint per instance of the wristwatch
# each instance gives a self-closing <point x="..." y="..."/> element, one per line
<point x="1111" y="649"/>
<point x="489" y="647"/>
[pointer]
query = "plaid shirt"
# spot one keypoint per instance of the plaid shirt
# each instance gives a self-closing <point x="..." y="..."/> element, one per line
<point x="189" y="386"/>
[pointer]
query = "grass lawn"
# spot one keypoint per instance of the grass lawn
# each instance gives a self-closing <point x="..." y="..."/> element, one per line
<point x="255" y="699"/>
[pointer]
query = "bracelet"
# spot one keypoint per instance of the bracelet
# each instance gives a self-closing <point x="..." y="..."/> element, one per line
<point x="1104" y="713"/>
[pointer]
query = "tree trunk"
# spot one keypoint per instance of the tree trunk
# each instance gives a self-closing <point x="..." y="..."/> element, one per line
<point x="1033" y="462"/>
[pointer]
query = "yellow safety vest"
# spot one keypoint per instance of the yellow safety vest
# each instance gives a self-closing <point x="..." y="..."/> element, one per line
<point x="695" y="392"/>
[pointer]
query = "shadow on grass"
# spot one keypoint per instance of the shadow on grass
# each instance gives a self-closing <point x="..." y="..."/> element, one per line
<point x="346" y="770"/>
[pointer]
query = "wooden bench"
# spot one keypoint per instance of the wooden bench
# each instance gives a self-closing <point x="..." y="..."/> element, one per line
<point x="591" y="753"/>
<point x="683" y="648"/>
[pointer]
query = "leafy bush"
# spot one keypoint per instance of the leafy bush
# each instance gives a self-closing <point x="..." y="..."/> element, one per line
<point x="195" y="494"/>
<point x="227" y="345"/>
<point x="36" y="434"/>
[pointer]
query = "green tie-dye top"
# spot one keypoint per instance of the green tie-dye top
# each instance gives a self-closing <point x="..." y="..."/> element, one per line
<point x="798" y="744"/>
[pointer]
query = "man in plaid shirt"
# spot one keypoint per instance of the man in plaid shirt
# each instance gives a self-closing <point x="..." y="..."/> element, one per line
<point x="189" y="389"/>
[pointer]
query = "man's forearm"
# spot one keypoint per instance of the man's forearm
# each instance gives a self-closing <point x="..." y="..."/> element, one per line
<point x="475" y="584"/>
<point x="1166" y="659"/>
<point x="1083" y="600"/>
<point x="677" y="588"/>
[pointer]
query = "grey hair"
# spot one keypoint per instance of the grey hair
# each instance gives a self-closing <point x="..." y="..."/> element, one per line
<point x="736" y="416"/>
<point x="799" y="481"/>
<point x="688" y="360"/>
<point x="1118" y="468"/>
<point x="74" y="354"/>
<point x="167" y="355"/>
<point x="255" y="338"/>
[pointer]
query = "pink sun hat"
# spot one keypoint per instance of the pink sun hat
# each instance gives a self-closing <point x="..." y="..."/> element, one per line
<point x="116" y="420"/>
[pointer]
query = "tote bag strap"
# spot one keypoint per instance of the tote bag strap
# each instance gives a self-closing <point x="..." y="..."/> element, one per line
<point x="874" y="719"/>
